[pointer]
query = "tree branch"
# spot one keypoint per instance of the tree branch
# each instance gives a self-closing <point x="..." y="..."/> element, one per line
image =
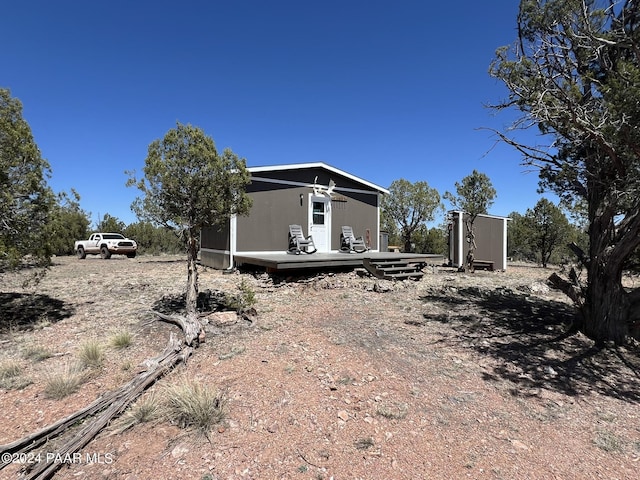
<point x="566" y="287"/>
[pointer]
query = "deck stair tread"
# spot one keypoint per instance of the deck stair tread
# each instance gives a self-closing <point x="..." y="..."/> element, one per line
<point x="404" y="275"/>
<point x="400" y="269"/>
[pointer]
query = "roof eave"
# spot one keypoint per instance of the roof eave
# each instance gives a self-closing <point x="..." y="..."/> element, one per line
<point x="294" y="166"/>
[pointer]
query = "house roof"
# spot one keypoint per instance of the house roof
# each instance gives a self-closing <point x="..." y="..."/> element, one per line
<point x="300" y="166"/>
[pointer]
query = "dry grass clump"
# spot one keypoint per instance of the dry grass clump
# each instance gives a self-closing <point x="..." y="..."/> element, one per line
<point x="10" y="376"/>
<point x="65" y="381"/>
<point x="147" y="409"/>
<point x="609" y="442"/>
<point x="191" y="404"/>
<point x="393" y="411"/>
<point x="364" y="443"/>
<point x="91" y="354"/>
<point x="36" y="353"/>
<point x="122" y="339"/>
<point x="9" y="369"/>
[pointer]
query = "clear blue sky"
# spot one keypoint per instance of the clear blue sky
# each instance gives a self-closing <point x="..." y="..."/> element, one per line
<point x="380" y="89"/>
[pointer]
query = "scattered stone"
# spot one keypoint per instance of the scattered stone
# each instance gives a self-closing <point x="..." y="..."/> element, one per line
<point x="539" y="288"/>
<point x="179" y="451"/>
<point x="418" y="322"/>
<point x="518" y="444"/>
<point x="343" y="415"/>
<point x="223" y="319"/>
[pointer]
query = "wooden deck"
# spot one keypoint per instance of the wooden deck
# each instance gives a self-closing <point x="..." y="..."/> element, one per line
<point x="286" y="261"/>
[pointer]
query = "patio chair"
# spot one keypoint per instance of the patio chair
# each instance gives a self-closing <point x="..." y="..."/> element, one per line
<point x="350" y="243"/>
<point x="298" y="243"/>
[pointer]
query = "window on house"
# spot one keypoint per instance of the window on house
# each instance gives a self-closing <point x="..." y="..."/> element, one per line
<point x="318" y="213"/>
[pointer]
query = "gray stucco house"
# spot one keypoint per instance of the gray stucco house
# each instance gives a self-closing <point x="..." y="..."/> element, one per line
<point x="317" y="196"/>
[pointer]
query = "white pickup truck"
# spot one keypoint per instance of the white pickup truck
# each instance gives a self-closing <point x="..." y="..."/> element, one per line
<point x="106" y="244"/>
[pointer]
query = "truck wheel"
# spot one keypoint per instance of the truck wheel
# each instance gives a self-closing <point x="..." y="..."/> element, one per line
<point x="81" y="253"/>
<point x="105" y="253"/>
<point x="131" y="255"/>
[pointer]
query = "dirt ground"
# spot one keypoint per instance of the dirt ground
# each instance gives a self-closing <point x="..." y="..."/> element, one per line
<point x="340" y="376"/>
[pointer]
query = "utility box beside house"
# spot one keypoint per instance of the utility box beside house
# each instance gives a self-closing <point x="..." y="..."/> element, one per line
<point x="319" y="197"/>
<point x="490" y="236"/>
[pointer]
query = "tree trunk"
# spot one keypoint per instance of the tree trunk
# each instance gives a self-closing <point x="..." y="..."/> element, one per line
<point x="471" y="258"/>
<point x="471" y="240"/>
<point x="546" y="254"/>
<point x="608" y="312"/>
<point x="407" y="242"/>
<point x="607" y="307"/>
<point x="192" y="274"/>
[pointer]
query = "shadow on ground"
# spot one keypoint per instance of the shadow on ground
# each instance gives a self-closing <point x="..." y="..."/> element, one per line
<point x="23" y="311"/>
<point x="208" y="301"/>
<point x="530" y="339"/>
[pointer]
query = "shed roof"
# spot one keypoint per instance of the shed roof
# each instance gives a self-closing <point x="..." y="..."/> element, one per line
<point x="486" y="215"/>
<point x="300" y="166"/>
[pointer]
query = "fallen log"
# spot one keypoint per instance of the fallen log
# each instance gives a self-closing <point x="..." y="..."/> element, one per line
<point x="107" y="406"/>
<point x="123" y="397"/>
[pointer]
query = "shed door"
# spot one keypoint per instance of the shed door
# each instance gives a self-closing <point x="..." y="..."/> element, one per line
<point x="320" y="222"/>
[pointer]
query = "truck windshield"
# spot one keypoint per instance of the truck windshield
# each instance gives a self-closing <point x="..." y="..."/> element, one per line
<point x="112" y="236"/>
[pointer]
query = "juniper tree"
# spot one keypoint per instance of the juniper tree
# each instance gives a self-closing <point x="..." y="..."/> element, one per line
<point x="25" y="197"/>
<point x="188" y="185"/>
<point x="574" y="73"/>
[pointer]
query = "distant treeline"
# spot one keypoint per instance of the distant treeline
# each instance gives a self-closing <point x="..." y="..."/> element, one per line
<point x="69" y="223"/>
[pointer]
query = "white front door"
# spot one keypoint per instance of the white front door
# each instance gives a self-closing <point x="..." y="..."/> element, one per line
<point x="320" y="222"/>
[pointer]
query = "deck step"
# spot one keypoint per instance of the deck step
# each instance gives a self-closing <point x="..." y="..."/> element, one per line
<point x="401" y="268"/>
<point x="393" y="270"/>
<point x="404" y="276"/>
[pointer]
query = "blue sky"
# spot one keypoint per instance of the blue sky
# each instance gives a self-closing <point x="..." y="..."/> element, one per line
<point x="380" y="89"/>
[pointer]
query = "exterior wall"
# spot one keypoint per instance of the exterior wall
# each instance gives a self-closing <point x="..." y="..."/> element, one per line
<point x="281" y="197"/>
<point x="277" y="206"/>
<point x="358" y="211"/>
<point x="215" y="247"/>
<point x="491" y="240"/>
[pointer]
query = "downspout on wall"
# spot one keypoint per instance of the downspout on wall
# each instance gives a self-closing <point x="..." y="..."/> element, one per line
<point x="460" y="240"/>
<point x="233" y="238"/>
<point x="378" y="233"/>
<point x="504" y="242"/>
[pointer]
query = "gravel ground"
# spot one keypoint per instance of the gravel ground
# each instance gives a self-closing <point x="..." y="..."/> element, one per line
<point x="338" y="376"/>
